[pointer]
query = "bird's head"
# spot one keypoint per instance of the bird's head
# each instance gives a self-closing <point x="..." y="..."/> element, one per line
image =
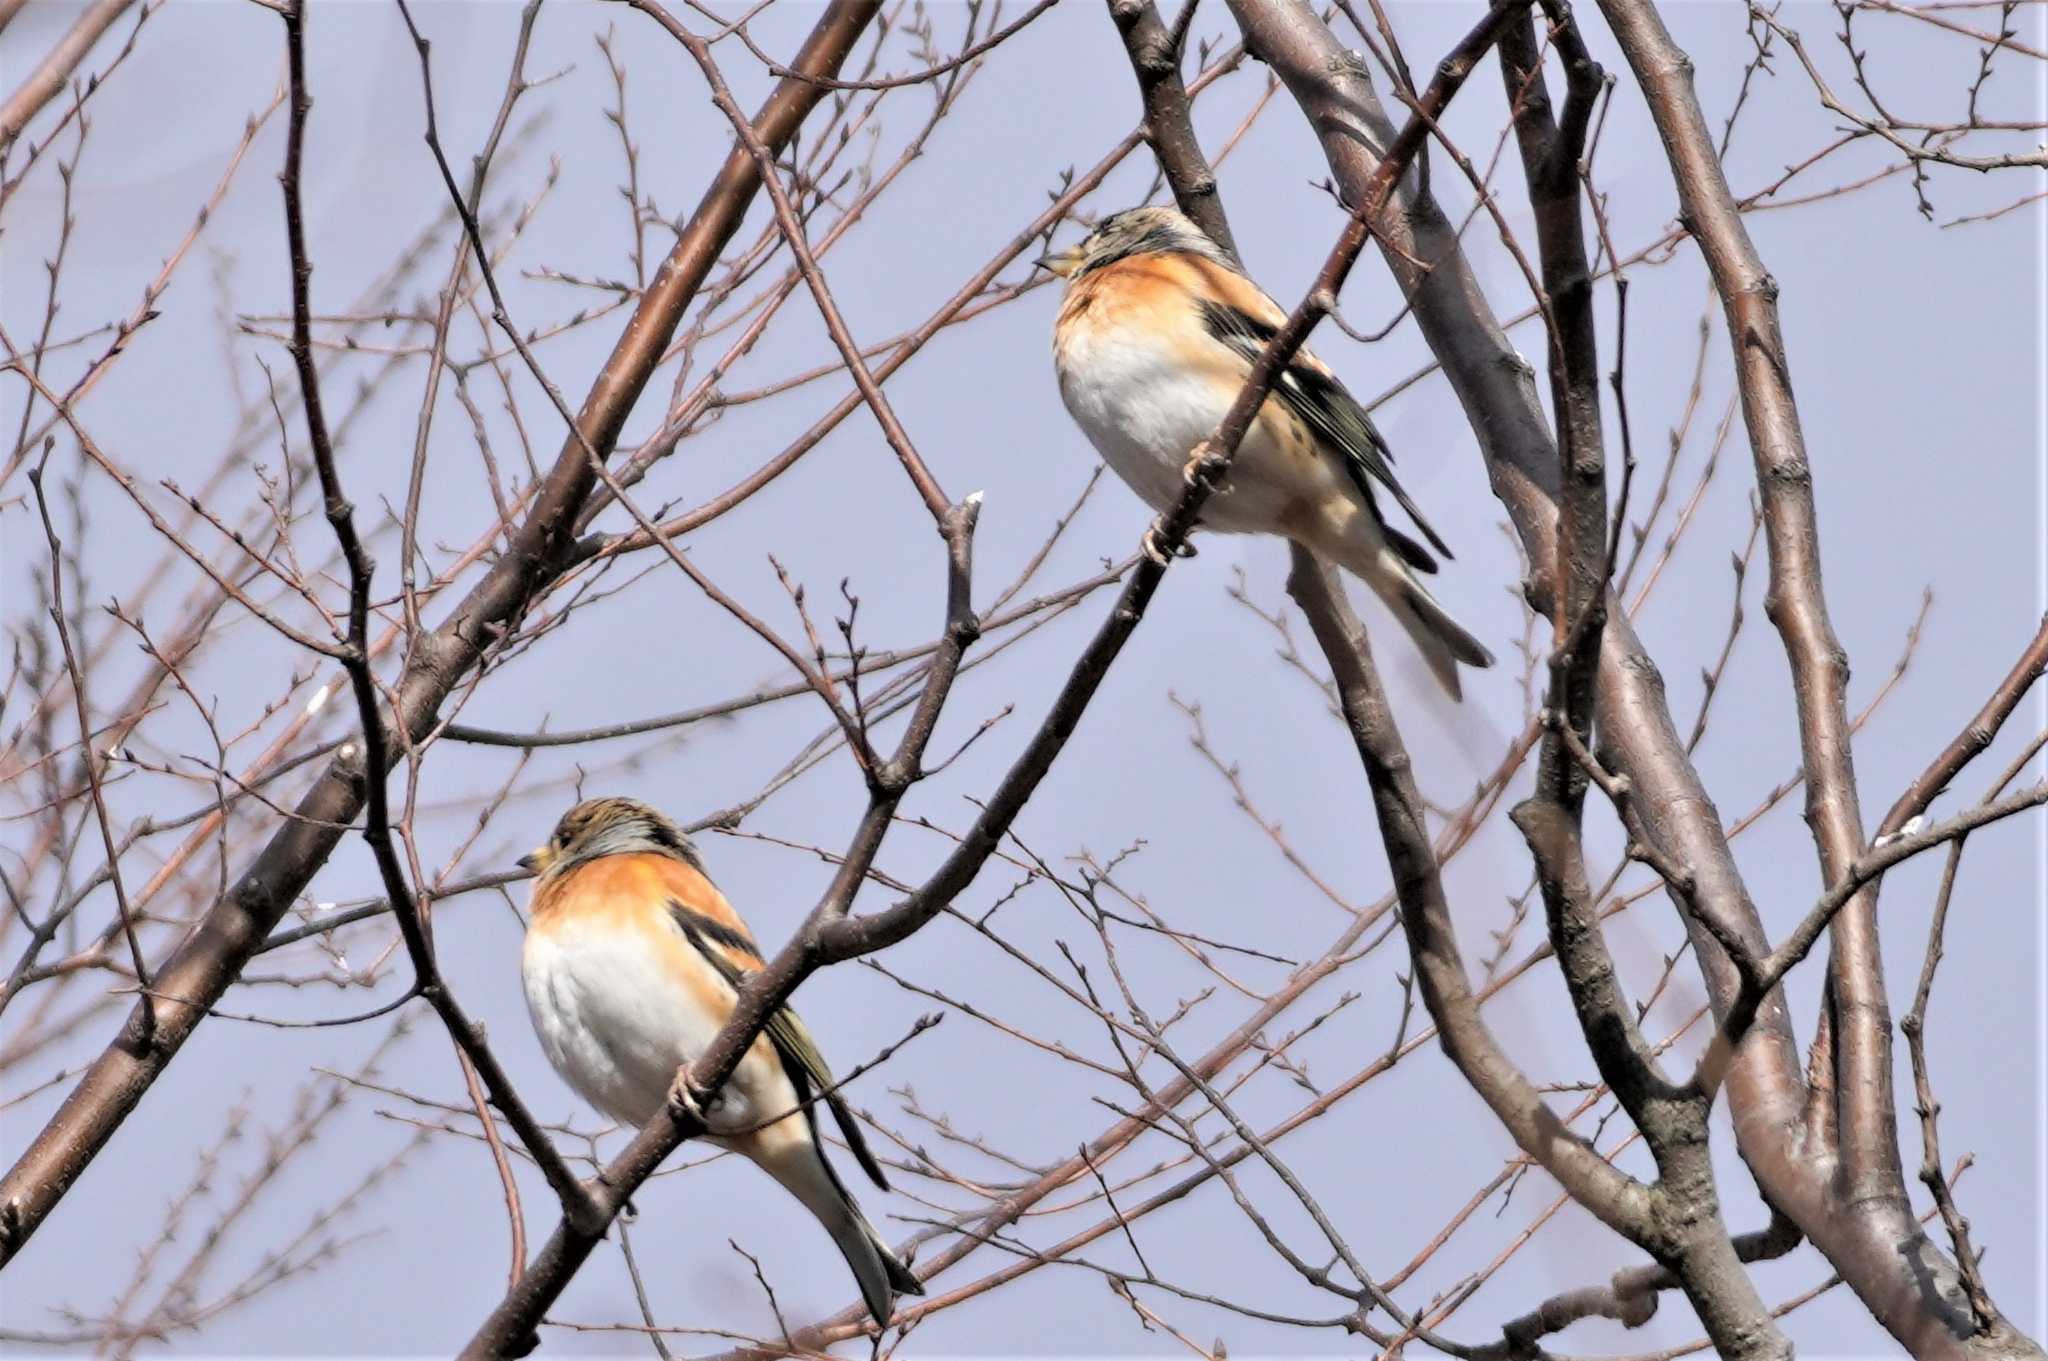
<point x="1134" y="231"/>
<point x="610" y="826"/>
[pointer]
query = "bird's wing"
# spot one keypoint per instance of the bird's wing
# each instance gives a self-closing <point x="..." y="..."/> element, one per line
<point x="710" y="925"/>
<point x="1237" y="314"/>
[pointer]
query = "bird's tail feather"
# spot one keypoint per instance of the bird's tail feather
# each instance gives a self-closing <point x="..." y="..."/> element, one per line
<point x="1442" y="640"/>
<point x="800" y="1165"/>
<point x="900" y="1275"/>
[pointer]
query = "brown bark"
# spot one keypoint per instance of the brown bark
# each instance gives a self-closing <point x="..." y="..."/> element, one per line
<point x="1851" y="1198"/>
<point x="209" y="960"/>
<point x="1494" y="385"/>
<point x="1880" y="1251"/>
<point x="1155" y="55"/>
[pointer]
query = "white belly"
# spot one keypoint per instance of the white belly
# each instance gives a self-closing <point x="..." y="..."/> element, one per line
<point x="616" y="1025"/>
<point x="1145" y="413"/>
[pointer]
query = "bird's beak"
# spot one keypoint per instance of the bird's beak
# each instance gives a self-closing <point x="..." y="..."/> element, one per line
<point x="1061" y="262"/>
<point x="530" y="861"/>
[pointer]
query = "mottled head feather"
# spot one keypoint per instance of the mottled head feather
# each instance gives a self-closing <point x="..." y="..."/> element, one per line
<point x="611" y="826"/>
<point x="1135" y="231"/>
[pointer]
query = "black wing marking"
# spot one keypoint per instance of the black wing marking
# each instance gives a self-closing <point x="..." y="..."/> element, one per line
<point x="1334" y="415"/>
<point x="696" y="923"/>
<point x="1414" y="553"/>
<point x="799" y="1053"/>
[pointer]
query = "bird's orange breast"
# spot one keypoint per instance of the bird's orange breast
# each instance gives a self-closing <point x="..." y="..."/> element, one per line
<point x="626" y="888"/>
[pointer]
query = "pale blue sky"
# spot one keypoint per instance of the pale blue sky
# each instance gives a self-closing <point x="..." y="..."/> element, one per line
<point x="1916" y="353"/>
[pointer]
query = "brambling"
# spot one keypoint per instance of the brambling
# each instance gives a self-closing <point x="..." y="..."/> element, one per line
<point x="632" y="963"/>
<point x="1155" y="338"/>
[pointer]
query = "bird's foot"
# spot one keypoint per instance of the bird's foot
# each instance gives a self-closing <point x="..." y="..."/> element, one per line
<point x="1159" y="552"/>
<point x="1204" y="466"/>
<point x="685" y="1105"/>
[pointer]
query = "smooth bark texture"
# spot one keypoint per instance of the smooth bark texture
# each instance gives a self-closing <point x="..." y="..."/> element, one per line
<point x="1879" y="1249"/>
<point x="1851" y="1198"/>
<point x="1620" y="1201"/>
<point x="47" y="80"/>
<point x="1494" y="384"/>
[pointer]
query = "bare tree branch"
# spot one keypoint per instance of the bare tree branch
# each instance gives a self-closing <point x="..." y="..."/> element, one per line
<point x="1169" y="117"/>
<point x="44" y="83"/>
<point x="208" y="962"/>
<point x="1863" y="1221"/>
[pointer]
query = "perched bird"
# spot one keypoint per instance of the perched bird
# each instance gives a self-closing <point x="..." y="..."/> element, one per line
<point x="632" y="963"/>
<point x="1156" y="336"/>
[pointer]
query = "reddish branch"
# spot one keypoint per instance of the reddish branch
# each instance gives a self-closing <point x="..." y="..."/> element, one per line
<point x="47" y="80"/>
<point x="210" y="959"/>
<point x="145" y="1011"/>
<point x="973" y="289"/>
<point x="831" y="934"/>
<point x="479" y="1063"/>
<point x="914" y="466"/>
<point x="967" y="54"/>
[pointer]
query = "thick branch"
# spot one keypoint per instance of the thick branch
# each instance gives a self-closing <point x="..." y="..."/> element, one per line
<point x="1492" y="382"/>
<point x="1155" y="56"/>
<point x="1630" y="1296"/>
<point x="1794" y="601"/>
<point x="1861" y="1216"/>
<point x="1616" y="1198"/>
<point x="829" y="934"/>
<point x="1885" y="1260"/>
<point x="213" y="955"/>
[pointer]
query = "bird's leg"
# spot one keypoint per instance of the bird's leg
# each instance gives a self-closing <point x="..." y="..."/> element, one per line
<point x="686" y="1105"/>
<point x="1205" y="466"/>
<point x="1158" y="552"/>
